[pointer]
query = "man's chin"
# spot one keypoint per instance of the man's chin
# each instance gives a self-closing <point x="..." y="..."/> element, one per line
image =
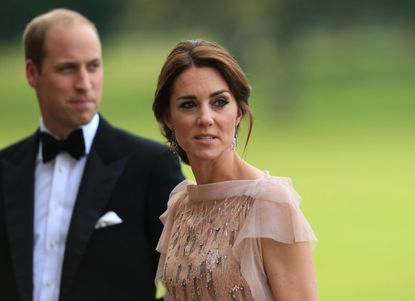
<point x="84" y="119"/>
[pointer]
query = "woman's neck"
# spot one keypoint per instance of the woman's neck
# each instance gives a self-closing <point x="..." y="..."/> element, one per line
<point x="222" y="169"/>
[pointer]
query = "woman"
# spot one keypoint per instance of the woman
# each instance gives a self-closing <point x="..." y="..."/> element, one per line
<point x="238" y="234"/>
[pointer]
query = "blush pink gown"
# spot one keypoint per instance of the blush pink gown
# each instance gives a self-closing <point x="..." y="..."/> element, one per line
<point x="210" y="246"/>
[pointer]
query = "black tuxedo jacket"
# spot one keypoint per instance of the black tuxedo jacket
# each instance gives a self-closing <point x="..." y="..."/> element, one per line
<point x="130" y="175"/>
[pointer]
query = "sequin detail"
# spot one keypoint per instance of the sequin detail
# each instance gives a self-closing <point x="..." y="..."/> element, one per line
<point x="199" y="263"/>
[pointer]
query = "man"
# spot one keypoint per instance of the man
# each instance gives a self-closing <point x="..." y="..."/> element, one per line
<point x="78" y="219"/>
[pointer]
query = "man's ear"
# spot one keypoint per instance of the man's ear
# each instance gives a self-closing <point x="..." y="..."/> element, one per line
<point x="32" y="73"/>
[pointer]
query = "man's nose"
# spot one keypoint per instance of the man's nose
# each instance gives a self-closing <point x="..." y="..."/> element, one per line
<point x="83" y="80"/>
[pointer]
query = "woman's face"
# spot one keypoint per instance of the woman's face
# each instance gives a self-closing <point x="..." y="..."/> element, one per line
<point x="203" y="114"/>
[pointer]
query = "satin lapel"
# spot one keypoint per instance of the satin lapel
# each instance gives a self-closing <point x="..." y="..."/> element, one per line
<point x="18" y="187"/>
<point x="98" y="182"/>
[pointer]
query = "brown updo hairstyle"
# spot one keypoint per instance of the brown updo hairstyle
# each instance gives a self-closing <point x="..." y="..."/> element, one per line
<point x="199" y="53"/>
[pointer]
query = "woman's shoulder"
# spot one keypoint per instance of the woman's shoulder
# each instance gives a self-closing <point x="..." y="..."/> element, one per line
<point x="273" y="188"/>
<point x="181" y="187"/>
<point x="179" y="192"/>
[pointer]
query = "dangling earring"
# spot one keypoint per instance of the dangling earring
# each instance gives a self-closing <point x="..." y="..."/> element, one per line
<point x="173" y="144"/>
<point x="234" y="142"/>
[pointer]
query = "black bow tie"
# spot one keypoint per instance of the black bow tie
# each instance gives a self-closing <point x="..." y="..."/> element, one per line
<point x="73" y="145"/>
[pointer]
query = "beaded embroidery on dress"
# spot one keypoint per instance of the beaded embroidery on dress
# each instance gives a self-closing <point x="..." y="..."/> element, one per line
<point x="200" y="254"/>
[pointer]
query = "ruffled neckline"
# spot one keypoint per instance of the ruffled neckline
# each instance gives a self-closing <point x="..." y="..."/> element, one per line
<point x="221" y="190"/>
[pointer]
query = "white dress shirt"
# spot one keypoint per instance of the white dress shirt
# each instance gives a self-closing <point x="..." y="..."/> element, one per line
<point x="56" y="188"/>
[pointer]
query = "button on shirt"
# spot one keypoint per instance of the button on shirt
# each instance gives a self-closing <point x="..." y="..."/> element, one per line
<point x="56" y="188"/>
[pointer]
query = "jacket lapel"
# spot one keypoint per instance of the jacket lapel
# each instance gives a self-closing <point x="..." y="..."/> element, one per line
<point x="18" y="187"/>
<point x="98" y="181"/>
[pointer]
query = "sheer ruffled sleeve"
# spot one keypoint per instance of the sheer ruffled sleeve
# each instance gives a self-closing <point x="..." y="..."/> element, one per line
<point x="167" y="218"/>
<point x="274" y="214"/>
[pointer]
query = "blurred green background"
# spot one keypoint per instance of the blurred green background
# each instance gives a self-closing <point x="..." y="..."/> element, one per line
<point x="333" y="97"/>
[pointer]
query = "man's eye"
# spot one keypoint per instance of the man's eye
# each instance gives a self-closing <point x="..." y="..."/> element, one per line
<point x="187" y="104"/>
<point x="66" y="69"/>
<point x="94" y="66"/>
<point x="221" y="102"/>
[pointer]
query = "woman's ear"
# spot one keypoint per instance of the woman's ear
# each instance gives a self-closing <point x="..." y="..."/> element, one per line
<point x="238" y="117"/>
<point x="32" y="74"/>
<point x="167" y="121"/>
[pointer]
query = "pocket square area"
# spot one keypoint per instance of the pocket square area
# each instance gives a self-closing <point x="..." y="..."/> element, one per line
<point x="108" y="219"/>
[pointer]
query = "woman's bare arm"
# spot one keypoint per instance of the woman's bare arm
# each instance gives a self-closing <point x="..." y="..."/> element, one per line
<point x="290" y="270"/>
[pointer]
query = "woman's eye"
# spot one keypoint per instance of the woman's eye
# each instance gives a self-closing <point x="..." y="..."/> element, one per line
<point x="187" y="104"/>
<point x="221" y="102"/>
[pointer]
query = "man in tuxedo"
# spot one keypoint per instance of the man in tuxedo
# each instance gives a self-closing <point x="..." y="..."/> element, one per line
<point x="79" y="199"/>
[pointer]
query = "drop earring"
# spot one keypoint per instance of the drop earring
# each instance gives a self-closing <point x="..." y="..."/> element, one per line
<point x="173" y="143"/>
<point x="234" y="143"/>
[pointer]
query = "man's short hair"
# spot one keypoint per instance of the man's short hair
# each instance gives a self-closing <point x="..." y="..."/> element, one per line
<point x="36" y="30"/>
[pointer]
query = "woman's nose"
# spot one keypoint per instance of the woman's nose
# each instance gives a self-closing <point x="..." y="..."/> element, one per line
<point x="205" y="117"/>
